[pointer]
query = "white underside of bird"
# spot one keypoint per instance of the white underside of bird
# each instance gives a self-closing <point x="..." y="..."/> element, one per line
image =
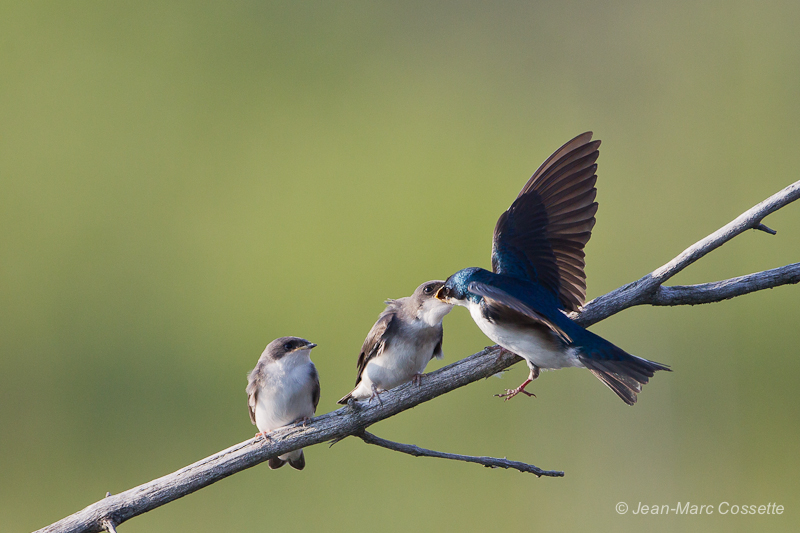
<point x="536" y="346"/>
<point x="395" y="365"/>
<point x="285" y="395"/>
<point x="405" y="357"/>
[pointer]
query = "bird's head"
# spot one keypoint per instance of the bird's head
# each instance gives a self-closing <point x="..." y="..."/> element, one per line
<point x="287" y="347"/>
<point x="428" y="307"/>
<point x="454" y="291"/>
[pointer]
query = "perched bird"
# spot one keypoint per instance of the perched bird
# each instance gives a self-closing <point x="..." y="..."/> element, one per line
<point x="407" y="335"/>
<point x="283" y="388"/>
<point x="538" y="276"/>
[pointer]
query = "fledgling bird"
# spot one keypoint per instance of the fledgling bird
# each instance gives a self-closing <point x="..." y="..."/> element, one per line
<point x="538" y="276"/>
<point x="407" y="335"/>
<point x="282" y="389"/>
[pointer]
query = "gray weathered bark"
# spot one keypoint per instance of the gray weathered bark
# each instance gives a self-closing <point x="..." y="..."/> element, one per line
<point x="643" y="290"/>
<point x="488" y="462"/>
<point x="356" y="417"/>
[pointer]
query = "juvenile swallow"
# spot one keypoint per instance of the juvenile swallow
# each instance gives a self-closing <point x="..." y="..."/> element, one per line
<point x="407" y="335"/>
<point x="538" y="276"/>
<point x="282" y="389"/>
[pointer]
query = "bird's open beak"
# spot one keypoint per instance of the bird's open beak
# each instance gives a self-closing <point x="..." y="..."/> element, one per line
<point x="441" y="294"/>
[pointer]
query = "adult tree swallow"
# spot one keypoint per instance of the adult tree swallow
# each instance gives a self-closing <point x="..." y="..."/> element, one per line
<point x="407" y="335"/>
<point x="283" y="388"/>
<point x="538" y="276"/>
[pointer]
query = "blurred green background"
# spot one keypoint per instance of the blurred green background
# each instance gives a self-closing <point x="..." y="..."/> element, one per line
<point x="181" y="183"/>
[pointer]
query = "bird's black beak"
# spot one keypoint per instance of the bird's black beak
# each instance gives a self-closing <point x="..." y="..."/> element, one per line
<point x="310" y="345"/>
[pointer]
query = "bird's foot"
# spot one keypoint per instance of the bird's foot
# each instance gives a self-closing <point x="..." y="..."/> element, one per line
<point x="416" y="379"/>
<point x="264" y="435"/>
<point x="375" y="394"/>
<point x="303" y="420"/>
<point x="501" y="352"/>
<point x="510" y="393"/>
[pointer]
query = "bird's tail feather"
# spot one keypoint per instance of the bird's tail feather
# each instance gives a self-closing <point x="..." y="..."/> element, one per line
<point x="346" y="397"/>
<point x="275" y="463"/>
<point x="620" y="371"/>
<point x="299" y="463"/>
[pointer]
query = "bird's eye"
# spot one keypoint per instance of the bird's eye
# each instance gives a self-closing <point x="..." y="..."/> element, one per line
<point x="287" y="346"/>
<point x="428" y="289"/>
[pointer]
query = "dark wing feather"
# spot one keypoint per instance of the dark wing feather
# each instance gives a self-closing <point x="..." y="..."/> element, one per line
<point x="495" y="297"/>
<point x="315" y="391"/>
<point x="437" y="350"/>
<point x="542" y="235"/>
<point x="375" y="341"/>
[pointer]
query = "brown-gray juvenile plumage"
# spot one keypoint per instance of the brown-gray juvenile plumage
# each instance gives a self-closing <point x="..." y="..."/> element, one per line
<point x="282" y="389"/>
<point x="406" y="336"/>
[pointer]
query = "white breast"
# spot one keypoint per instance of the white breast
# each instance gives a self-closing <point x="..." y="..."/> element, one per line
<point x="406" y="355"/>
<point x="534" y="345"/>
<point x="286" y="393"/>
<point x="397" y="364"/>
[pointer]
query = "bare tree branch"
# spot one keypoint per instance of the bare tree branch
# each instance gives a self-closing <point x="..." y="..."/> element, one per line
<point x="489" y="462"/>
<point x="356" y="417"/>
<point x="349" y="420"/>
<point x="641" y="291"/>
<point x="726" y="289"/>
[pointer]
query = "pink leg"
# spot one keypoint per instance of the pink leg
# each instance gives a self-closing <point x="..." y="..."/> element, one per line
<point x="375" y="394"/>
<point x="417" y="380"/>
<point x="510" y="393"/>
<point x="263" y="434"/>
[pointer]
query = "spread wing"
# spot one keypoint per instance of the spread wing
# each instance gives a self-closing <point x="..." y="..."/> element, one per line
<point x="252" y="394"/>
<point x="542" y="235"/>
<point x="376" y="341"/>
<point x="499" y="302"/>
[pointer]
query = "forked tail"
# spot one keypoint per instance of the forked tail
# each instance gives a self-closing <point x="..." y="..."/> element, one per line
<point x="621" y="372"/>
